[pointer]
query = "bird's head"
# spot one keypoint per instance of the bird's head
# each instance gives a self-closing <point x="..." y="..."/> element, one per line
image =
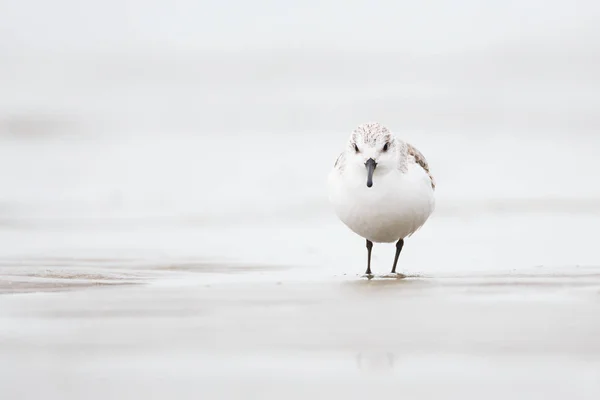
<point x="372" y="147"/>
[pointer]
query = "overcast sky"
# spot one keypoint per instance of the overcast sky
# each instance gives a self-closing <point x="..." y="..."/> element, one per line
<point x="419" y="26"/>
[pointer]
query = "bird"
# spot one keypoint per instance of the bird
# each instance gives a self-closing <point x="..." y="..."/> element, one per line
<point x="381" y="187"/>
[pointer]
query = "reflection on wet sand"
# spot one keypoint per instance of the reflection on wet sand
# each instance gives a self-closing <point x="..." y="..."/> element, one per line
<point x="375" y="361"/>
<point x="59" y="274"/>
<point x="343" y="332"/>
<point x="8" y="285"/>
<point x="52" y="274"/>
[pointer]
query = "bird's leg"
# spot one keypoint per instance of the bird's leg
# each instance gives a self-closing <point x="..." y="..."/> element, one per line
<point x="369" y="248"/>
<point x="399" y="245"/>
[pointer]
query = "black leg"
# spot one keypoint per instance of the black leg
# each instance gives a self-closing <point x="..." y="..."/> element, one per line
<point x="369" y="248"/>
<point x="399" y="245"/>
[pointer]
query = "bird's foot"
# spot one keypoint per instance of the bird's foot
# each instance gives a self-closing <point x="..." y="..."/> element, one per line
<point x="368" y="276"/>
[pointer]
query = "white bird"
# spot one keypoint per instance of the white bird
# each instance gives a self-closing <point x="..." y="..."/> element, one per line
<point x="381" y="188"/>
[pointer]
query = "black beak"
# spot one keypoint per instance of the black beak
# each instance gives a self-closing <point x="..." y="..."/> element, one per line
<point x="370" y="164"/>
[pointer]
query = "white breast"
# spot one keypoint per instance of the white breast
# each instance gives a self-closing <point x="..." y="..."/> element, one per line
<point x="395" y="207"/>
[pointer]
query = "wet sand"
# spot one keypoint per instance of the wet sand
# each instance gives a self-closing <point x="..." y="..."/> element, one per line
<point x="528" y="334"/>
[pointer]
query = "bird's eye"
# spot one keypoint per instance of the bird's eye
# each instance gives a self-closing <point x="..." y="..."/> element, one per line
<point x="356" y="148"/>
<point x="386" y="146"/>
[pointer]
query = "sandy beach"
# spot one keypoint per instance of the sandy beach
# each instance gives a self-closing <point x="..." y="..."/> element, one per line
<point x="529" y="334"/>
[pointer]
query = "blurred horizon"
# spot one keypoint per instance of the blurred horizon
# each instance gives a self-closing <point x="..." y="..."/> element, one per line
<point x="158" y="67"/>
<point x="431" y="26"/>
<point x="136" y="108"/>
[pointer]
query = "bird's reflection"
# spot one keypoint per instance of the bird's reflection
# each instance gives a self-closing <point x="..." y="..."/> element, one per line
<point x="375" y="361"/>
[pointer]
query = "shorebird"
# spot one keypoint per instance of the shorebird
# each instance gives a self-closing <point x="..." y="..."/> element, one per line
<point x="381" y="188"/>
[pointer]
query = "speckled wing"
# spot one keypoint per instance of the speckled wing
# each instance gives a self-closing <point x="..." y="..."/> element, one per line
<point x="416" y="156"/>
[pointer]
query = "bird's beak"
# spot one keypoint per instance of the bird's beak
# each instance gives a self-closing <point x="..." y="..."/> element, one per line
<point x="370" y="164"/>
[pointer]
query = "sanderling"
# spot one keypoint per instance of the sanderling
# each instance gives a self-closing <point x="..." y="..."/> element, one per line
<point x="381" y="188"/>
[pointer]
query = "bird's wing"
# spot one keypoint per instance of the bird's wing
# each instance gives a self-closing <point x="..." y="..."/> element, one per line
<point x="417" y="157"/>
